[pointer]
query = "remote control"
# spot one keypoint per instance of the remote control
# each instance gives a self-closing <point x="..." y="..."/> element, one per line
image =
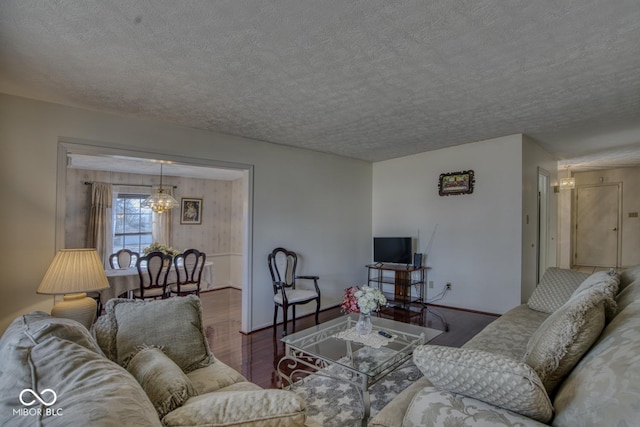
<point x="385" y="334"/>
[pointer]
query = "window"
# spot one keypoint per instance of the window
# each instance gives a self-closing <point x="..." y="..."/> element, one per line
<point x="133" y="221"/>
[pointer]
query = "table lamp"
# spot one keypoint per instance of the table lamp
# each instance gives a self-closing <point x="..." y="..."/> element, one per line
<point x="72" y="273"/>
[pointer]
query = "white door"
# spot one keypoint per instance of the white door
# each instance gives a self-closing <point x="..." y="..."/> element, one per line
<point x="597" y="228"/>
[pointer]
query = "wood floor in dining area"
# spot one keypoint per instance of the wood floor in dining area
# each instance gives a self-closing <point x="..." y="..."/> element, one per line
<point x="256" y="355"/>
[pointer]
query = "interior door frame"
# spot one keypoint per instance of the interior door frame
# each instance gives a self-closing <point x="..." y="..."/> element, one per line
<point x="72" y="145"/>
<point x="574" y="221"/>
<point x="543" y="221"/>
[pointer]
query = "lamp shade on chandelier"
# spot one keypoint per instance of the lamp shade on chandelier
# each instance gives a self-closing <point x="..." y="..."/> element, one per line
<point x="160" y="201"/>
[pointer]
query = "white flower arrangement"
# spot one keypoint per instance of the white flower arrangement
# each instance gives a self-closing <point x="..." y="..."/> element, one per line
<point x="369" y="299"/>
<point x="157" y="247"/>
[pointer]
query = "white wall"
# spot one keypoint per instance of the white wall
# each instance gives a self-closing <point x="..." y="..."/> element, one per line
<point x="316" y="204"/>
<point x="478" y="243"/>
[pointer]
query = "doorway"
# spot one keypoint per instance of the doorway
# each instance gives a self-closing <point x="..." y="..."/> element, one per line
<point x="597" y="225"/>
<point x="543" y="223"/>
<point x="66" y="148"/>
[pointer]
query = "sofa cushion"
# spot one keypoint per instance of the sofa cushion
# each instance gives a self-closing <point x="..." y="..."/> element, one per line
<point x="214" y="377"/>
<point x="555" y="288"/>
<point x="565" y="336"/>
<point x="508" y="334"/>
<point x="431" y="407"/>
<point x="627" y="296"/>
<point x="164" y="382"/>
<point x="604" y="387"/>
<point x="629" y="275"/>
<point x="235" y="408"/>
<point x="89" y="389"/>
<point x="173" y="324"/>
<point x="393" y="412"/>
<point x="489" y="377"/>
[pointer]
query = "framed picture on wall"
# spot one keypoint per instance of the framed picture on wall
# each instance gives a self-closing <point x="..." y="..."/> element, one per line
<point x="191" y="211"/>
<point x="456" y="183"/>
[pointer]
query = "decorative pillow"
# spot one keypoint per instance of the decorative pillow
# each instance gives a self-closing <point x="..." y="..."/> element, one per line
<point x="489" y="377"/>
<point x="555" y="289"/>
<point x="563" y="338"/>
<point x="164" y="382"/>
<point x="90" y="389"/>
<point x="173" y="324"/>
<point x="604" y="281"/>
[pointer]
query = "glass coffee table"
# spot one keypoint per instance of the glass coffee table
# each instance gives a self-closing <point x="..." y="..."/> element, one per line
<point x="333" y="349"/>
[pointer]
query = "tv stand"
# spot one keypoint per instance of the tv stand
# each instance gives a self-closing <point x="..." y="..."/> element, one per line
<point x="403" y="277"/>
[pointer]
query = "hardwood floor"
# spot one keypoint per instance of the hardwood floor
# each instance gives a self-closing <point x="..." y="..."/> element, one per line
<point x="256" y="355"/>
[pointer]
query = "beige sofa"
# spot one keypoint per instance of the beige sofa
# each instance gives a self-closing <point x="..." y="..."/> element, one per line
<point x="570" y="357"/>
<point x="146" y="364"/>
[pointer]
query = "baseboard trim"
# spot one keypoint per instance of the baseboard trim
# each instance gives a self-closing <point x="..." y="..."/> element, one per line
<point x="465" y="309"/>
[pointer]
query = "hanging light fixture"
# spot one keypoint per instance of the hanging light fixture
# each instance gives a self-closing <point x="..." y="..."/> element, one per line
<point x="160" y="201"/>
<point x="569" y="182"/>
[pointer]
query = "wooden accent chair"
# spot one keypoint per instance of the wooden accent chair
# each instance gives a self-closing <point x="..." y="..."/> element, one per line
<point x="124" y="258"/>
<point x="153" y="276"/>
<point x="282" y="265"/>
<point x="189" y="266"/>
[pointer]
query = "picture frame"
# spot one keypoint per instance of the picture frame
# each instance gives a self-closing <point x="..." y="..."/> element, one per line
<point x="453" y="183"/>
<point x="190" y="211"/>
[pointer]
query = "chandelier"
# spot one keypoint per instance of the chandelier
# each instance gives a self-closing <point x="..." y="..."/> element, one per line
<point x="160" y="201"/>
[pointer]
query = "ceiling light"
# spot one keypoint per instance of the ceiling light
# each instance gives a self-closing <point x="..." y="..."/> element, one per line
<point x="160" y="201"/>
<point x="569" y="182"/>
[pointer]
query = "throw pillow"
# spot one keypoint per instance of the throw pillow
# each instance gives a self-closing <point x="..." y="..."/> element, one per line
<point x="555" y="289"/>
<point x="164" y="382"/>
<point x="489" y="377"/>
<point x="604" y="281"/>
<point x="90" y="389"/>
<point x="173" y="324"/>
<point x="563" y="338"/>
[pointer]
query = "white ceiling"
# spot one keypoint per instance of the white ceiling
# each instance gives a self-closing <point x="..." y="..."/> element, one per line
<point x="361" y="78"/>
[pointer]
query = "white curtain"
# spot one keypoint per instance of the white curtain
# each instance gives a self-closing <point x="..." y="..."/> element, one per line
<point x="100" y="234"/>
<point x="161" y="226"/>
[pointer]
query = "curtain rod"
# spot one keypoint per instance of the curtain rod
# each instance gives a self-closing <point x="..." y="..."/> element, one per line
<point x="133" y="185"/>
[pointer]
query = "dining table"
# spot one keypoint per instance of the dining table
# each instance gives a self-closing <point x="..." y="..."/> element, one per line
<point x="124" y="280"/>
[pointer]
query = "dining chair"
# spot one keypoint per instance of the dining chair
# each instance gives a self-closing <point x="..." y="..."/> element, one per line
<point x="282" y="266"/>
<point x="188" y="265"/>
<point x="124" y="258"/>
<point x="153" y="270"/>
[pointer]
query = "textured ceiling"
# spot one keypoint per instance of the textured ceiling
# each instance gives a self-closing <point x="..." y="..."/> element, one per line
<point x="367" y="79"/>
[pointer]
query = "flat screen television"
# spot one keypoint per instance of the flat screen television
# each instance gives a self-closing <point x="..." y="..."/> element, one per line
<point x="395" y="250"/>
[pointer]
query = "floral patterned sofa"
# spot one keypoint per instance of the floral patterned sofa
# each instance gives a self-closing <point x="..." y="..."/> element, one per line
<point x="147" y="364"/>
<point x="569" y="357"/>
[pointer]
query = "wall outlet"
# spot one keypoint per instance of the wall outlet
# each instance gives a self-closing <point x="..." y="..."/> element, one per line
<point x="430" y="284"/>
<point x="448" y="286"/>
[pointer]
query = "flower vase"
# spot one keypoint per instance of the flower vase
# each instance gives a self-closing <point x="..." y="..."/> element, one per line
<point x="363" y="325"/>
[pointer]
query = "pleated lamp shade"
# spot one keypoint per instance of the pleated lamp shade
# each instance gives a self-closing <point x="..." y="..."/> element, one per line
<point x="74" y="272"/>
